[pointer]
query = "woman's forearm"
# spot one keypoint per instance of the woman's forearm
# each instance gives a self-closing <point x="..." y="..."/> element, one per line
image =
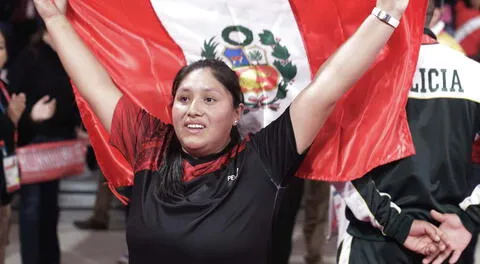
<point x="89" y="76"/>
<point x="337" y="75"/>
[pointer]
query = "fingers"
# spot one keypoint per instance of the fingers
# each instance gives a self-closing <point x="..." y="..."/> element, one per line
<point x="44" y="99"/>
<point x="437" y="216"/>
<point x="431" y="249"/>
<point x="431" y="257"/>
<point x="19" y="98"/>
<point x="455" y="257"/>
<point x="442" y="256"/>
<point x="22" y="97"/>
<point x="53" y="103"/>
<point x="432" y="231"/>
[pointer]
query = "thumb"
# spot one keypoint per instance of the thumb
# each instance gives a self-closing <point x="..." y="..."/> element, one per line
<point x="437" y="216"/>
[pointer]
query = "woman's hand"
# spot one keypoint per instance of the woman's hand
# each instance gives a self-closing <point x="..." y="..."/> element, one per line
<point x="50" y="8"/>
<point x="395" y="8"/>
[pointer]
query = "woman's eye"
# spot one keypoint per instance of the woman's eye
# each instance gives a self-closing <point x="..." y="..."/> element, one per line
<point x="209" y="100"/>
<point x="183" y="99"/>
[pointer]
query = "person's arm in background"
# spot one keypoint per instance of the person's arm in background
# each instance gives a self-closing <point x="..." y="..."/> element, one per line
<point x="369" y="205"/>
<point x="458" y="229"/>
<point x="18" y="83"/>
<point x="9" y="120"/>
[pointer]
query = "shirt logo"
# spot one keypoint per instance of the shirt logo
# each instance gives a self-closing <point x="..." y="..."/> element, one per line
<point x="233" y="177"/>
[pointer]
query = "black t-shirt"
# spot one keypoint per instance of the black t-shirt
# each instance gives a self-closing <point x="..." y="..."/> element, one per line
<point x="226" y="215"/>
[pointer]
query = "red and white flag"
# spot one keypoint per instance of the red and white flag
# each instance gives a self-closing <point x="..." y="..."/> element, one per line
<point x="275" y="46"/>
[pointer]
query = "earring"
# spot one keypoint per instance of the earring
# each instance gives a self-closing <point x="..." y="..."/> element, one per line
<point x="235" y="123"/>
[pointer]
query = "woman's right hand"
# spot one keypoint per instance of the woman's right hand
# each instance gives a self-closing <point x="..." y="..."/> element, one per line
<point x="50" y="8"/>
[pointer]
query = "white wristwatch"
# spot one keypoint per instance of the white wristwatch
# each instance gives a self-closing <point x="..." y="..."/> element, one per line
<point x="385" y="17"/>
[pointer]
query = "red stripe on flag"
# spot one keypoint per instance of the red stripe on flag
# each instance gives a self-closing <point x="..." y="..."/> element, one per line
<point x="368" y="127"/>
<point x="141" y="58"/>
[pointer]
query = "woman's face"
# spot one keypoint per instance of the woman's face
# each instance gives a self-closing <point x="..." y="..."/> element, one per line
<point x="203" y="113"/>
<point x="3" y="51"/>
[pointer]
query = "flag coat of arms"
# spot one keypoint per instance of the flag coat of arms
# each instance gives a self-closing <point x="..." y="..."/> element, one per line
<point x="275" y="47"/>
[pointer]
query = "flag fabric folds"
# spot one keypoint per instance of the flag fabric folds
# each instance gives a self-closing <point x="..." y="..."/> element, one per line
<point x="275" y="47"/>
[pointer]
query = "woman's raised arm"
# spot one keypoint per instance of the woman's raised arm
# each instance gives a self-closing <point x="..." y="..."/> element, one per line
<point x="90" y="77"/>
<point x="313" y="105"/>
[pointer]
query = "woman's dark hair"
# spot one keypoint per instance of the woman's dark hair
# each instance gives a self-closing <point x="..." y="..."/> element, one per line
<point x="169" y="179"/>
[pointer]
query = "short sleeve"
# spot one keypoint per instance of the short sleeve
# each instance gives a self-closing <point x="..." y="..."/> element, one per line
<point x="277" y="148"/>
<point x="139" y="136"/>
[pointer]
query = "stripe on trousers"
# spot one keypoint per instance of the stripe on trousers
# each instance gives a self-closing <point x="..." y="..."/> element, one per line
<point x="346" y="249"/>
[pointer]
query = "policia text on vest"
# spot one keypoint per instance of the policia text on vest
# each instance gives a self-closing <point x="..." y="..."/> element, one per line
<point x="447" y="80"/>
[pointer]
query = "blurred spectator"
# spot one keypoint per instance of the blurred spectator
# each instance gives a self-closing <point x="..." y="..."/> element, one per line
<point x="11" y="108"/>
<point x="438" y="28"/>
<point x="467" y="23"/>
<point x="38" y="73"/>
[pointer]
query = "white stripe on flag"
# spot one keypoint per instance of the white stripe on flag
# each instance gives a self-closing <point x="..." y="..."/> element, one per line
<point x="193" y="23"/>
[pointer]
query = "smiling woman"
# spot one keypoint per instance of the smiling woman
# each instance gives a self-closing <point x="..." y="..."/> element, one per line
<point x="207" y="103"/>
<point x="201" y="194"/>
<point x="206" y="108"/>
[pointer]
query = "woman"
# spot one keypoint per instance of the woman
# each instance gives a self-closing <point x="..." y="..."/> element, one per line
<point x="11" y="108"/>
<point x="202" y="195"/>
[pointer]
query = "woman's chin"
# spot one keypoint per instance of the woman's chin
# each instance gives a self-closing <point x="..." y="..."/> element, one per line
<point x="194" y="149"/>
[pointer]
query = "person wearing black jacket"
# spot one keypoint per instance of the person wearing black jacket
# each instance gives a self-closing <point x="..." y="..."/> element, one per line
<point x="443" y="112"/>
<point x="38" y="73"/>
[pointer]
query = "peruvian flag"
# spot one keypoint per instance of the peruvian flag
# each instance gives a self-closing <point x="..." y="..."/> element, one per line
<point x="276" y="47"/>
